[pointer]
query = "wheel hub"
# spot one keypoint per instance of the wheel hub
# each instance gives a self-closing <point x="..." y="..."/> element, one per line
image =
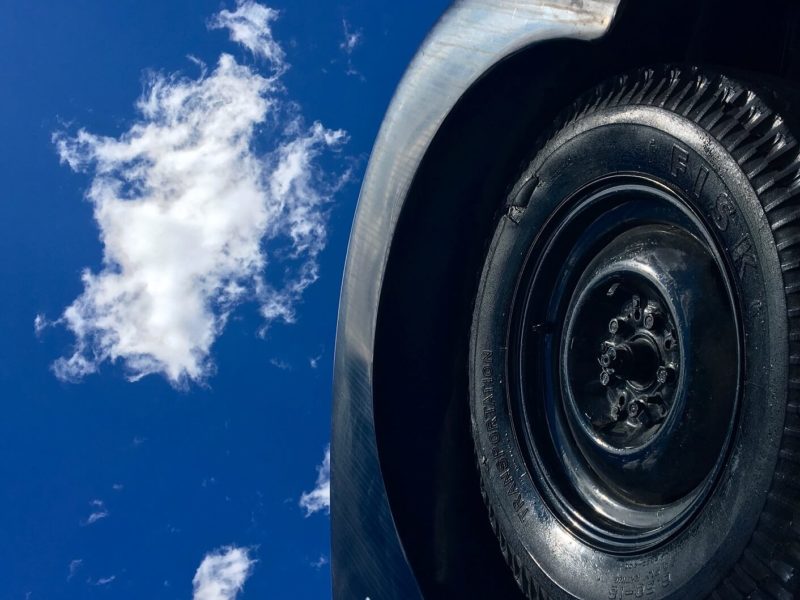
<point x="638" y="361"/>
<point x="638" y="406"/>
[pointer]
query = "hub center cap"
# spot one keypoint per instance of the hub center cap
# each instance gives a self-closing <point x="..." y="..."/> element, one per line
<point x="638" y="360"/>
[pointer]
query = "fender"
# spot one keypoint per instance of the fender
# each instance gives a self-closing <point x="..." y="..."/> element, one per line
<point x="406" y="515"/>
<point x="472" y="36"/>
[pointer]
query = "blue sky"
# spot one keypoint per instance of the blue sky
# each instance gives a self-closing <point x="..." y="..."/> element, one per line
<point x="164" y="429"/>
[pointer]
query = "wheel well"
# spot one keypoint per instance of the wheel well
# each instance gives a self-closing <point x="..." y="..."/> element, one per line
<point x="420" y="367"/>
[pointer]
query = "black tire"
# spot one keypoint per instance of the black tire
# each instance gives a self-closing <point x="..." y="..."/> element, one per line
<point x="683" y="183"/>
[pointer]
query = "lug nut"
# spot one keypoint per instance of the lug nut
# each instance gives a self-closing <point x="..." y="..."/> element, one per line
<point x="608" y="356"/>
<point x="664" y="374"/>
<point x="619" y="326"/>
<point x="613" y="325"/>
<point x="633" y="409"/>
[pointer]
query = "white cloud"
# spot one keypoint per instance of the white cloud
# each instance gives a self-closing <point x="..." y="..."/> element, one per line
<point x="39" y="323"/>
<point x="320" y="562"/>
<point x="74" y="565"/>
<point x="222" y="574"/>
<point x="98" y="513"/>
<point x="319" y="498"/>
<point x="249" y="25"/>
<point x="280" y="364"/>
<point x="351" y="38"/>
<point x="96" y="516"/>
<point x="103" y="580"/>
<point x="186" y="205"/>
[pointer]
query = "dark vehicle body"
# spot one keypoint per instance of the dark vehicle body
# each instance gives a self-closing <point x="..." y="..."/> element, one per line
<point x="408" y="521"/>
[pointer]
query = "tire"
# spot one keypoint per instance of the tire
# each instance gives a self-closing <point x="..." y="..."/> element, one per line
<point x="635" y="348"/>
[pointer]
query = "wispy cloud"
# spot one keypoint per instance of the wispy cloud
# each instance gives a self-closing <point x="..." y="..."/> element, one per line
<point x="281" y="364"/>
<point x="102" y="580"/>
<point x="249" y="25"/>
<point x="320" y="562"/>
<point x="222" y="574"/>
<point x="191" y="213"/>
<point x="319" y="498"/>
<point x="98" y="513"/>
<point x="39" y="323"/>
<point x="352" y="39"/>
<point x="74" y="566"/>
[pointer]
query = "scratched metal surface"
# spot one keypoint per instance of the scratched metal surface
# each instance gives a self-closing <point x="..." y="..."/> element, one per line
<point x="473" y="35"/>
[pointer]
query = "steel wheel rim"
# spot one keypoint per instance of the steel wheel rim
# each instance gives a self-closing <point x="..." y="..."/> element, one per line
<point x="548" y="415"/>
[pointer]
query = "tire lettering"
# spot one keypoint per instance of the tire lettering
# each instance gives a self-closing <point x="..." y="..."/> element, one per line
<point x="503" y="463"/>
<point x="723" y="211"/>
<point x="680" y="161"/>
<point x="639" y="585"/>
<point x="743" y="256"/>
<point x="700" y="182"/>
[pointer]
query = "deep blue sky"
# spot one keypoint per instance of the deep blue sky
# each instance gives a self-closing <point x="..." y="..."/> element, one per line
<point x="180" y="472"/>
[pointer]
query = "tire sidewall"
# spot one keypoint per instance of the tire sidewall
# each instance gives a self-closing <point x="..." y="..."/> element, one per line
<point x="655" y="142"/>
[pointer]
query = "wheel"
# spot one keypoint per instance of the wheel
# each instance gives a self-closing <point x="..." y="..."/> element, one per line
<point x="635" y="348"/>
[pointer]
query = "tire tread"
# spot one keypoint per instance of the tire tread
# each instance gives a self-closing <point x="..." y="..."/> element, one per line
<point x="760" y="141"/>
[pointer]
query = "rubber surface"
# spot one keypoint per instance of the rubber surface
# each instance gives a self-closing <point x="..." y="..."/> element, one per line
<point x="721" y="144"/>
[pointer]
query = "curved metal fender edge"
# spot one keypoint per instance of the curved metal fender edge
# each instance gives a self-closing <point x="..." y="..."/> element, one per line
<point x="473" y="35"/>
